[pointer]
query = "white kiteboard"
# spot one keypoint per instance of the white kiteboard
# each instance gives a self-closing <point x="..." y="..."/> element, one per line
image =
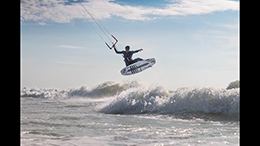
<point x="138" y="66"/>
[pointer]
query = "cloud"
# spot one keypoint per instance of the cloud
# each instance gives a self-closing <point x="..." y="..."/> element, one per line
<point x="227" y="39"/>
<point x="186" y="7"/>
<point x="47" y="10"/>
<point x="70" y="63"/>
<point x="230" y="26"/>
<point x="70" y="47"/>
<point x="63" y="11"/>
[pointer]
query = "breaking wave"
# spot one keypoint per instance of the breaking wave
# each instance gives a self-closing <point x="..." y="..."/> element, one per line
<point x="161" y="101"/>
<point x="136" y="98"/>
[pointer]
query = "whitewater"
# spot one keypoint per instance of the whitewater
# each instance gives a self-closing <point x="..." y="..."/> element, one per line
<point x="129" y="113"/>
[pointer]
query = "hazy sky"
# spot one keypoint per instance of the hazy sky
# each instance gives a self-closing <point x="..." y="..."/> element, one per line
<point x="195" y="42"/>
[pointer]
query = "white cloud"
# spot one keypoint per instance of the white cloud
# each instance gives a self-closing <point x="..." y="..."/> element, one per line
<point x="230" y="26"/>
<point x="186" y="7"/>
<point x="226" y="40"/>
<point x="62" y="12"/>
<point x="70" y="47"/>
<point x="70" y="63"/>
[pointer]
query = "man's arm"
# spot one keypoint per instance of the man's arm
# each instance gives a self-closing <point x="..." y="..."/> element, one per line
<point x="137" y="50"/>
<point x="118" y="52"/>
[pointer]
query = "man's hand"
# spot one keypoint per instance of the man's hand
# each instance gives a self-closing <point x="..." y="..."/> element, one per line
<point x="140" y="49"/>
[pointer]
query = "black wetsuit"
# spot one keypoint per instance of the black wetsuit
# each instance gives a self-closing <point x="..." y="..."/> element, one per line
<point x="128" y="56"/>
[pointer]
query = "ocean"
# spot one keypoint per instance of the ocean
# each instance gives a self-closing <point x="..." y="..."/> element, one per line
<point x="130" y="113"/>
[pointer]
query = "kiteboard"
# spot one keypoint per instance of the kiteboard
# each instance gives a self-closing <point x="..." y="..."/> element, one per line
<point x="138" y="66"/>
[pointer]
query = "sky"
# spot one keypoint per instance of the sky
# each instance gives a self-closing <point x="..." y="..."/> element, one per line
<point x="195" y="42"/>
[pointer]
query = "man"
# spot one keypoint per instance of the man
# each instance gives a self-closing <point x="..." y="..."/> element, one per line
<point x="128" y="55"/>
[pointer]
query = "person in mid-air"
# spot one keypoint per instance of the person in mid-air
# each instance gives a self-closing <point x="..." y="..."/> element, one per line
<point x="128" y="55"/>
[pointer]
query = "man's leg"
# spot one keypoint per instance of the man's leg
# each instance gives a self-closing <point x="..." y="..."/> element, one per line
<point x="136" y="60"/>
<point x="126" y="63"/>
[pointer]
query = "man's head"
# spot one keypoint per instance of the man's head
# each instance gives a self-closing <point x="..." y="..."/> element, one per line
<point x="127" y="48"/>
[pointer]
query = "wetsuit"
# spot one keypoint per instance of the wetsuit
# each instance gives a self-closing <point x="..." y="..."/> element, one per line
<point x="128" y="56"/>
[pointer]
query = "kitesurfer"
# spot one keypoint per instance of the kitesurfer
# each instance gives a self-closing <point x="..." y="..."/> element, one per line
<point x="127" y="54"/>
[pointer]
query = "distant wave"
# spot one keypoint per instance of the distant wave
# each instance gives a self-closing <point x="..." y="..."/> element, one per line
<point x="136" y="98"/>
<point x="103" y="90"/>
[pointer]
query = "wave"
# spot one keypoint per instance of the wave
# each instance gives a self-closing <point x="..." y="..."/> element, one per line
<point x="42" y="93"/>
<point x="136" y="98"/>
<point x="102" y="90"/>
<point x="160" y="101"/>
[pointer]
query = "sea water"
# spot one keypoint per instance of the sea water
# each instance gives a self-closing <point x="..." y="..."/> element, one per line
<point x="129" y="113"/>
